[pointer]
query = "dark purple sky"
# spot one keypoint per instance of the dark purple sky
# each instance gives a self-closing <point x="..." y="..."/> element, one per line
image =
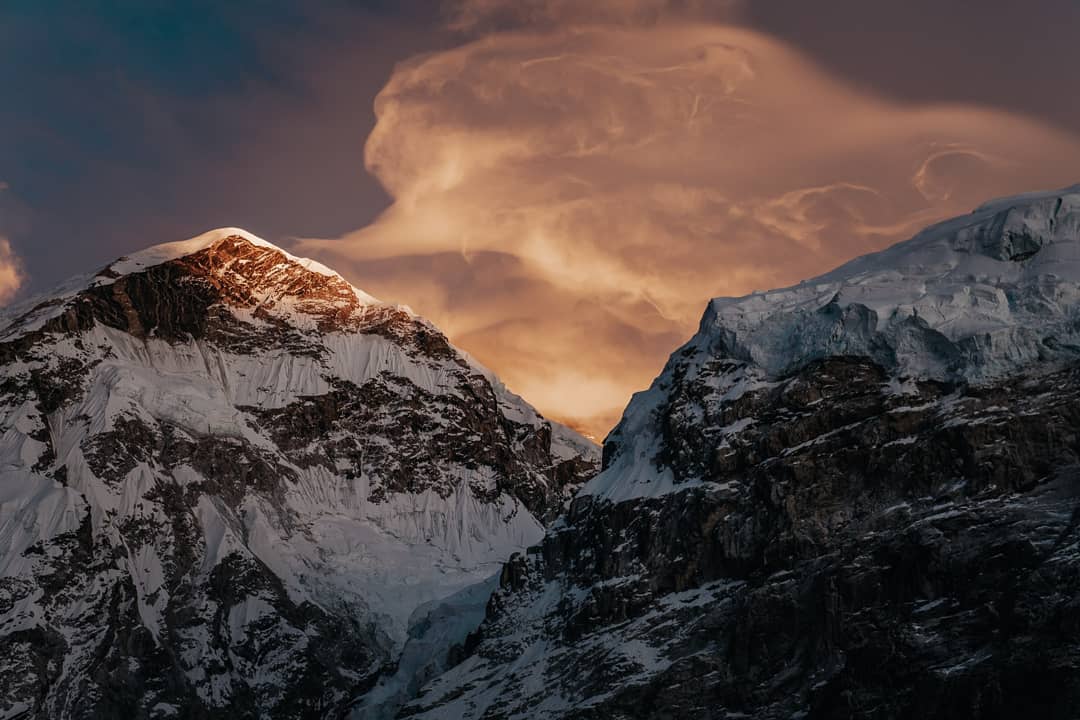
<point x="131" y="123"/>
<point x="126" y="123"/>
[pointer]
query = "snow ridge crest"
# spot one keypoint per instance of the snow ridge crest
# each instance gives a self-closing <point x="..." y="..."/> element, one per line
<point x="974" y="299"/>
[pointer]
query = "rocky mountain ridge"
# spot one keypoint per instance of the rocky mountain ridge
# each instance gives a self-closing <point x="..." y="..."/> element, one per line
<point x="228" y="479"/>
<point x="858" y="497"/>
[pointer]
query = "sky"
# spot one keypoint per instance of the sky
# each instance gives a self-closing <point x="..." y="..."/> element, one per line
<point x="560" y="186"/>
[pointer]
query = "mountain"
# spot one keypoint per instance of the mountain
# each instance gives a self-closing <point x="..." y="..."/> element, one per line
<point x="229" y="479"/>
<point x="857" y="497"/>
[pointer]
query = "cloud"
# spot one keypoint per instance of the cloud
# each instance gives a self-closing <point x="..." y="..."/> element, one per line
<point x="11" y="275"/>
<point x="567" y="198"/>
<point x="11" y="269"/>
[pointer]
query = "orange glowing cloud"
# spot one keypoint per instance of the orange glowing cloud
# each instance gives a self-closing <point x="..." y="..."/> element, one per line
<point x="11" y="273"/>
<point x="11" y="276"/>
<point x="567" y="199"/>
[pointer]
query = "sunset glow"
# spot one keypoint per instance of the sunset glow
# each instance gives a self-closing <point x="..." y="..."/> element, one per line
<point x="540" y="359"/>
<point x="558" y="185"/>
<point x="570" y="190"/>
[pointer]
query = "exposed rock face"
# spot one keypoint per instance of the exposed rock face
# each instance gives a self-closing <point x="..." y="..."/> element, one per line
<point x="820" y="532"/>
<point x="228" y="478"/>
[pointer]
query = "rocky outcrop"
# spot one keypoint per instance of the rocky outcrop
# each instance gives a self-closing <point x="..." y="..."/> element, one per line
<point x="791" y="523"/>
<point x="228" y="478"/>
<point x="866" y="555"/>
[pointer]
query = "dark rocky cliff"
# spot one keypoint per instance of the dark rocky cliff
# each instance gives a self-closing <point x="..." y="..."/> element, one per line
<point x="858" y="497"/>
<point x="868" y="555"/>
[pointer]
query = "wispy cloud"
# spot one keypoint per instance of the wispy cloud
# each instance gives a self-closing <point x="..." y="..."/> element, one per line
<point x="568" y="192"/>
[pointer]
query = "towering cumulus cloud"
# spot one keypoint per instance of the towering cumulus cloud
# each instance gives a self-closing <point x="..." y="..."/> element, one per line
<point x="570" y="187"/>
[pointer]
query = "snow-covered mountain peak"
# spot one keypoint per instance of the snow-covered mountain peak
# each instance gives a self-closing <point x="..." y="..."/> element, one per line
<point x="258" y="471"/>
<point x="227" y="272"/>
<point x="233" y="255"/>
<point x="985" y="282"/>
<point x="973" y="299"/>
<point x="792" y="524"/>
<point x="227" y="242"/>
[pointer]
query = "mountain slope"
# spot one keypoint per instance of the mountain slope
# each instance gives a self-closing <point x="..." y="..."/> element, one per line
<point x="228" y="478"/>
<point x="975" y="299"/>
<point x="858" y="497"/>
